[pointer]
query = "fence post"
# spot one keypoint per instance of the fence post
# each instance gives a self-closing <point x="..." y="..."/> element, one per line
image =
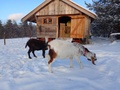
<point x="4" y="38"/>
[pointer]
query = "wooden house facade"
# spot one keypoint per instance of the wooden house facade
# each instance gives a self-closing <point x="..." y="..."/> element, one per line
<point x="61" y="18"/>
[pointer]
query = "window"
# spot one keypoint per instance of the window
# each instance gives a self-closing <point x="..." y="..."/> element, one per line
<point x="47" y="21"/>
<point x="50" y="21"/>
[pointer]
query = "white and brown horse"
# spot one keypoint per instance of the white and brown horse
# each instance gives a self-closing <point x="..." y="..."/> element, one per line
<point x="66" y="49"/>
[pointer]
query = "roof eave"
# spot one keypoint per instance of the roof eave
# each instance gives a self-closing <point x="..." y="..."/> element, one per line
<point x="29" y="15"/>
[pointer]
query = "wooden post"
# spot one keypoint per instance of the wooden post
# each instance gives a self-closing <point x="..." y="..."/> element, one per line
<point x="87" y="40"/>
<point x="4" y="38"/>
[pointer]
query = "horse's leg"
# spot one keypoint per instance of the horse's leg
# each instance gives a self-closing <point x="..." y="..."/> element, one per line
<point x="78" y="60"/>
<point x="50" y="67"/>
<point x="33" y="51"/>
<point x="52" y="55"/>
<point x="71" y="62"/>
<point x="43" y="53"/>
<point x="50" y="64"/>
<point x="29" y="51"/>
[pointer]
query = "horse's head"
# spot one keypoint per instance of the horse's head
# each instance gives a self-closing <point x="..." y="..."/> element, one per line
<point x="90" y="55"/>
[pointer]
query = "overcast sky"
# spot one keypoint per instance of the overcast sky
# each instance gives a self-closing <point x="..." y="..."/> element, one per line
<point x="16" y="9"/>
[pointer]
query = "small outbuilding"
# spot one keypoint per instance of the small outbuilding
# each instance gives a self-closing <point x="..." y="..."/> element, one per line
<point x="61" y="18"/>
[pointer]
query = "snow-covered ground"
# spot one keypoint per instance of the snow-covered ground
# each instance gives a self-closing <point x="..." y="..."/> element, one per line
<point x="17" y="72"/>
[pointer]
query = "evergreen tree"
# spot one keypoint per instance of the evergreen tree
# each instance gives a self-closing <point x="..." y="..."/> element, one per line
<point x="14" y="30"/>
<point x="1" y="30"/>
<point x="32" y="30"/>
<point x="24" y="28"/>
<point x="9" y="29"/>
<point x="108" y="20"/>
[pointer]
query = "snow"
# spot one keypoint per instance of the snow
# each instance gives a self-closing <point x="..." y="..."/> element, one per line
<point x="115" y="34"/>
<point x="17" y="72"/>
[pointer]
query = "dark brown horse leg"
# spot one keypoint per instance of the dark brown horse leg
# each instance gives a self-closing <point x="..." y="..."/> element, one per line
<point x="43" y="53"/>
<point x="34" y="53"/>
<point x="29" y="51"/>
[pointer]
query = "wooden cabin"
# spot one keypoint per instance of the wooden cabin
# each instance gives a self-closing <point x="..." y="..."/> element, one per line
<point x="61" y="19"/>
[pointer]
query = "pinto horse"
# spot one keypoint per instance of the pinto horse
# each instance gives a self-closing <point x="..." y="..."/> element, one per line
<point x="66" y="49"/>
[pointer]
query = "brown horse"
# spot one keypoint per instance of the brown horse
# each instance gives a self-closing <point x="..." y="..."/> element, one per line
<point x="35" y="44"/>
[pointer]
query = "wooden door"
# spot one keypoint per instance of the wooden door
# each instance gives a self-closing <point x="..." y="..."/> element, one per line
<point x="64" y="30"/>
<point x="77" y="26"/>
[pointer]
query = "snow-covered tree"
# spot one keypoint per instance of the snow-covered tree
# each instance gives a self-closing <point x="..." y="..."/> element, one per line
<point x="108" y="20"/>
